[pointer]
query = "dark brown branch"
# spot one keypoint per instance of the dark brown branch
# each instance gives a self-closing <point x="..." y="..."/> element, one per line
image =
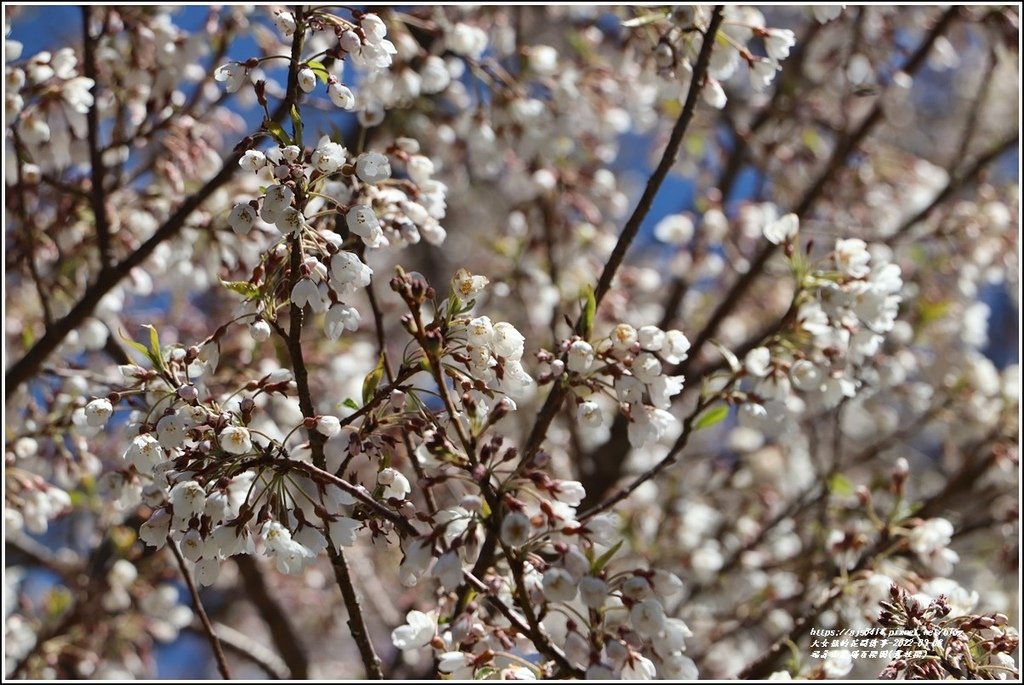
<point x="632" y="227"/>
<point x="543" y="645"/>
<point x="971" y="125"/>
<point x="39" y="555"/>
<point x="666" y="461"/>
<point x="243" y="646"/>
<point x="958" y="484"/>
<point x="382" y="349"/>
<point x="318" y="474"/>
<point x="668" y="160"/>
<point x="356" y="620"/>
<point x="292" y="651"/>
<point x="29" y="228"/>
<point x="535" y="632"/>
<point x="97" y="194"/>
<point x="218" y="651"/>
<point x="785" y="83"/>
<point x="23" y="369"/>
<point x="836" y="163"/>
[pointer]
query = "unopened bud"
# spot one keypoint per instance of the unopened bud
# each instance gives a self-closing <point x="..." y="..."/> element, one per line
<point x="188" y="393"/>
<point x="863" y="495"/>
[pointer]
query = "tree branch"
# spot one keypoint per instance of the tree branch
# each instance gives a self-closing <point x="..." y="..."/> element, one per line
<point x="668" y="460"/>
<point x="632" y="227"/>
<point x="243" y="646"/>
<point x="956" y="486"/>
<point x="97" y="194"/>
<point x="837" y="161"/>
<point x="218" y="651"/>
<point x="27" y="365"/>
<point x="959" y="181"/>
<point x="293" y="652"/>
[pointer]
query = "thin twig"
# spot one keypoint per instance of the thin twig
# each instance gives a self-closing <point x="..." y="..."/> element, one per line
<point x="359" y="492"/>
<point x="977" y="103"/>
<point x="556" y="654"/>
<point x="960" y="483"/>
<point x="23" y="369"/>
<point x="282" y="632"/>
<point x="29" y="228"/>
<point x="959" y="181"/>
<point x="218" y="651"/>
<point x="356" y="620"/>
<point x="632" y="227"/>
<point x="244" y="646"/>
<point x="837" y="161"/>
<point x="382" y="348"/>
<point x="40" y="555"/>
<point x="666" y="461"/>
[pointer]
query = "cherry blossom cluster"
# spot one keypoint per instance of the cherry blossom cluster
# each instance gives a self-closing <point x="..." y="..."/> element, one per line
<point x="632" y="366"/>
<point x="676" y="49"/>
<point x="843" y="309"/>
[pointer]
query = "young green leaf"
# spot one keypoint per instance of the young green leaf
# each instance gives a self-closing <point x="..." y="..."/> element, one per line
<point x="138" y="347"/>
<point x="711" y="417"/>
<point x="603" y="560"/>
<point x="296" y="125"/>
<point x="840" y="485"/>
<point x="372" y="380"/>
<point x="243" y="288"/>
<point x="154" y="353"/>
<point x="319" y="69"/>
<point x="589" y="310"/>
<point x="278" y="132"/>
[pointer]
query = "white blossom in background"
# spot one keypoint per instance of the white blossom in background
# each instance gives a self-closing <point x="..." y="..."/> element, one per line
<point x="412" y="366"/>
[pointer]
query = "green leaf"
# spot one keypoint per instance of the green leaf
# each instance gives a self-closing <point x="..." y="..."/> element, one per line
<point x="589" y="310"/>
<point x="154" y="353"/>
<point x="278" y="132"/>
<point x="372" y="380"/>
<point x="154" y="339"/>
<point x="711" y="417"/>
<point x="351" y="403"/>
<point x="296" y="125"/>
<point x="603" y="560"/>
<point x="138" y="347"/>
<point x="454" y="308"/>
<point x="695" y="146"/>
<point x="840" y="485"/>
<point x="319" y="69"/>
<point x="243" y="288"/>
